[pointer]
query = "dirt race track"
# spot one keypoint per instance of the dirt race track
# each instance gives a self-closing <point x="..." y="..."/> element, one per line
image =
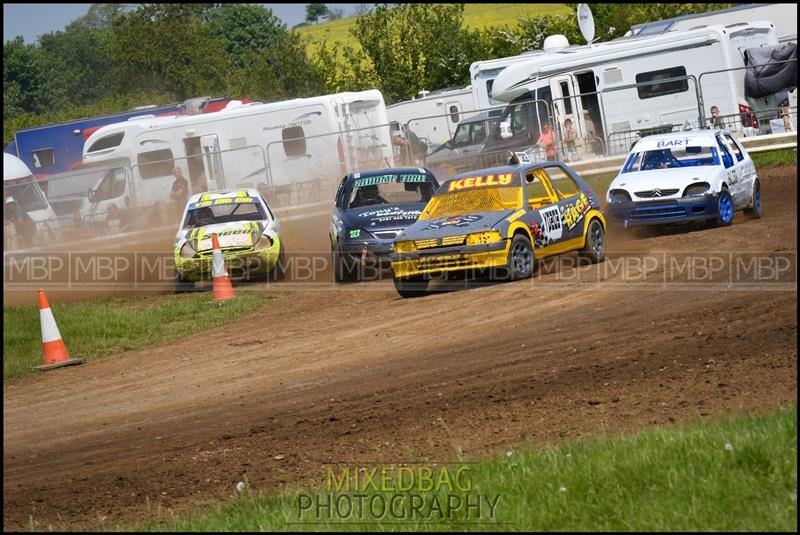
<point x="354" y="373"/>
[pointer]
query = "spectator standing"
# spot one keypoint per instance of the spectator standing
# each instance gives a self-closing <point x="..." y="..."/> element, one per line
<point x="180" y="192"/>
<point x="547" y="140"/>
<point x="23" y="227"/>
<point x="116" y="222"/>
<point x="716" y="120"/>
<point x="569" y="140"/>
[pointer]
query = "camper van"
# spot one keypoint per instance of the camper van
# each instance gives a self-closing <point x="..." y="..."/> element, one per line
<point x="20" y="186"/>
<point x="434" y="115"/>
<point x="643" y="80"/>
<point x="281" y="144"/>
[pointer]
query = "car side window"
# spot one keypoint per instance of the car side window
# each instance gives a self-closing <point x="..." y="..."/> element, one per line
<point x="562" y="182"/>
<point x="461" y="137"/>
<point x="737" y="150"/>
<point x="478" y="133"/>
<point x="727" y="159"/>
<point x="539" y="193"/>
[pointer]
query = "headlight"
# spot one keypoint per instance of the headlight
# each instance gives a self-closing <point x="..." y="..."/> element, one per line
<point x="477" y="238"/>
<point x="265" y="242"/>
<point x="618" y="195"/>
<point x="698" y="188"/>
<point x="354" y="233"/>
<point x="405" y="246"/>
<point x="188" y="250"/>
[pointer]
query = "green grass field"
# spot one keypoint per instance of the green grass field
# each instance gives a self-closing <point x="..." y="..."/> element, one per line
<point x="734" y="474"/>
<point x="100" y="327"/>
<point x="475" y="16"/>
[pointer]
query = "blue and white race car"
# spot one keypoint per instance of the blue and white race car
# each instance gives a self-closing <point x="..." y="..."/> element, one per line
<point x="684" y="176"/>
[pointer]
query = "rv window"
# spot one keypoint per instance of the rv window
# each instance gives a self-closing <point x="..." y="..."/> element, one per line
<point x="567" y="98"/>
<point x="454" y="115"/>
<point x="489" y="84"/>
<point x="658" y="89"/>
<point x="114" y="140"/>
<point x="291" y="145"/>
<point x="156" y="163"/>
<point x="43" y="158"/>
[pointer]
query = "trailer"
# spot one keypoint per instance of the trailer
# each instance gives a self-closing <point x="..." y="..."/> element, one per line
<point x="288" y="146"/>
<point x="435" y="115"/>
<point x="58" y="148"/>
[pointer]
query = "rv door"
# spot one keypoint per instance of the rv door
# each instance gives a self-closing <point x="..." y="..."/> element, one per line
<point x="565" y="104"/>
<point x="212" y="161"/>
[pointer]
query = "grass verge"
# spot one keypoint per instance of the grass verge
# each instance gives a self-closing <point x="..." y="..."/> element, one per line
<point x="99" y="327"/>
<point x="733" y="474"/>
<point x="774" y="158"/>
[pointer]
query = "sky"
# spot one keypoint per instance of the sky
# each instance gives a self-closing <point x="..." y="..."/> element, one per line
<point x="32" y="20"/>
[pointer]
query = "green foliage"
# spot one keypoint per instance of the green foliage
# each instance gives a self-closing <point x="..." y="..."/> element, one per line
<point x="614" y="20"/>
<point x="315" y="11"/>
<point x="245" y="28"/>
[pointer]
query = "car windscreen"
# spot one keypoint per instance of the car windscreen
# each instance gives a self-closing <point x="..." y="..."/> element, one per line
<point x="671" y="158"/>
<point x="390" y="189"/>
<point x="469" y="196"/>
<point x="199" y="215"/>
<point x="26" y="192"/>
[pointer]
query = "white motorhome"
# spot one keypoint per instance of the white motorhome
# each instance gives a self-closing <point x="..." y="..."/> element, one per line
<point x="281" y="144"/>
<point x="434" y="115"/>
<point x="19" y="184"/>
<point x="782" y="16"/>
<point x="629" y="71"/>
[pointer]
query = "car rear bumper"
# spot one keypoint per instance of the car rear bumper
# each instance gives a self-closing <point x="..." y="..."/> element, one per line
<point x="633" y="214"/>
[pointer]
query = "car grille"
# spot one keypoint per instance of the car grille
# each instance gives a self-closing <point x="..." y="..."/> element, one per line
<point x="386" y="234"/>
<point x="657" y="212"/>
<point x="209" y="252"/>
<point x="441" y="242"/>
<point x="656" y="193"/>
<point x="443" y="262"/>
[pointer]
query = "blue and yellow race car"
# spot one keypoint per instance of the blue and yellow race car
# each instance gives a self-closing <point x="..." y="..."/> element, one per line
<point x="500" y="219"/>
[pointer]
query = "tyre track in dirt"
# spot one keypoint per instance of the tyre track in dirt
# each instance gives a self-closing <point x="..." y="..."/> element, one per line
<point x="353" y="373"/>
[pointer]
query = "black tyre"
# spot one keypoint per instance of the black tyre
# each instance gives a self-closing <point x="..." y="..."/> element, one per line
<point x="279" y="271"/>
<point x="724" y="209"/>
<point x="595" y="247"/>
<point x="183" y="285"/>
<point x="342" y="271"/>
<point x="411" y="286"/>
<point x="755" y="210"/>
<point x="520" y="259"/>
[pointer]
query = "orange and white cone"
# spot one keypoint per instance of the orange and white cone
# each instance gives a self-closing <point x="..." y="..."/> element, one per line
<point x="55" y="354"/>
<point x="223" y="289"/>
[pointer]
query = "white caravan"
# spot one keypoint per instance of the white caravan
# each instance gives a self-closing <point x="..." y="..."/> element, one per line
<point x="19" y="184"/>
<point x="434" y="115"/>
<point x="554" y="78"/>
<point x="282" y="144"/>
<point x="782" y="16"/>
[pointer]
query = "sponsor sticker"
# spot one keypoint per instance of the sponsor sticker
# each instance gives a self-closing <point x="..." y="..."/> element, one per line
<point x="385" y="179"/>
<point x="479" y="181"/>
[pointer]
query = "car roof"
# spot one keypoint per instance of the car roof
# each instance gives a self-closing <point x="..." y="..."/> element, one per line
<point x="222" y="193"/>
<point x="703" y="138"/>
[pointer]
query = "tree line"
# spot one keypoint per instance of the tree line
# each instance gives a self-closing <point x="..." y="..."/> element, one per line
<point x="121" y="55"/>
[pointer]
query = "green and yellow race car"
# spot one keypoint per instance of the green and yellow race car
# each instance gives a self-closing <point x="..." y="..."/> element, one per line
<point x="499" y="220"/>
<point x="247" y="231"/>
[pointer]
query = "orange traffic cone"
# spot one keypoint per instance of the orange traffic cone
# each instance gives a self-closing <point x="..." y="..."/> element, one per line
<point x="223" y="289"/>
<point x="53" y="348"/>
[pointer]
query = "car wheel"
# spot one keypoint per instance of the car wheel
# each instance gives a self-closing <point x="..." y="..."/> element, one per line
<point x="755" y="210"/>
<point x="520" y="259"/>
<point x="279" y="271"/>
<point x="724" y="209"/>
<point x="595" y="246"/>
<point x="411" y="286"/>
<point x="341" y="271"/>
<point x="183" y="285"/>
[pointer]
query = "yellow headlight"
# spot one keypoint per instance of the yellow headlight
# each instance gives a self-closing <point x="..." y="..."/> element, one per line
<point x="484" y="237"/>
<point x="405" y="246"/>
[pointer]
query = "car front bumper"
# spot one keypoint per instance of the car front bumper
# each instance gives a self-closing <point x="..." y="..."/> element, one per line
<point x="373" y="252"/>
<point x="446" y="259"/>
<point x="236" y="262"/>
<point x="633" y="214"/>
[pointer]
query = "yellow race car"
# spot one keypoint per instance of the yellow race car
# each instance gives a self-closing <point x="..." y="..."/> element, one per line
<point x="500" y="219"/>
